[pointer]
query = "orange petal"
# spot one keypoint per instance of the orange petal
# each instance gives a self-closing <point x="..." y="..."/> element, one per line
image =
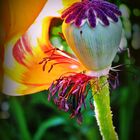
<point x="23" y="73"/>
<point x="18" y="15"/>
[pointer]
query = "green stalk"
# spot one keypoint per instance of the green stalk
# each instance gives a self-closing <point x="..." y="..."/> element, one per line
<point x="103" y="113"/>
<point x="20" y="118"/>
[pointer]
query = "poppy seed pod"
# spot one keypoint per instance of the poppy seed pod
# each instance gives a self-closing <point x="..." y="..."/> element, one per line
<point x="93" y="32"/>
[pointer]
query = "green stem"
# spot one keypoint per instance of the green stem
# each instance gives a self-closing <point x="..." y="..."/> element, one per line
<point x="103" y="114"/>
<point x="20" y="118"/>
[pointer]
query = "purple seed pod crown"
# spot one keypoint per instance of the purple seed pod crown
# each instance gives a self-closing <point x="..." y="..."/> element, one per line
<point x="91" y="11"/>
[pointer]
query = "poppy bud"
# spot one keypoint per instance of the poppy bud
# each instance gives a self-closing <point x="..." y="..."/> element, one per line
<point x="93" y="31"/>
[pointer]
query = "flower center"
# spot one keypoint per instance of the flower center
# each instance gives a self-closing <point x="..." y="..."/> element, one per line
<point x="91" y="11"/>
<point x="98" y="73"/>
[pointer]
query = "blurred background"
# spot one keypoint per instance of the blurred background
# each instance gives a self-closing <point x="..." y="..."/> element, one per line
<point x="32" y="117"/>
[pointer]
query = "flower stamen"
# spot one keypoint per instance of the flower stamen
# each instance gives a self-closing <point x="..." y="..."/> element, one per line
<point x="53" y="55"/>
<point x="69" y="93"/>
<point x="113" y="80"/>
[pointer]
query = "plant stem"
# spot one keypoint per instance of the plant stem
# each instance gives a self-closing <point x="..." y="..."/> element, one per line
<point x="20" y="118"/>
<point x="101" y="95"/>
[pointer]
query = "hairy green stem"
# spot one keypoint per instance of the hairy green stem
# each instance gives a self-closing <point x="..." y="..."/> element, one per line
<point x="103" y="114"/>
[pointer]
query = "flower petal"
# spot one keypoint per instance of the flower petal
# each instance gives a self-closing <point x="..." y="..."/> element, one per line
<point x="23" y="71"/>
<point x="18" y="15"/>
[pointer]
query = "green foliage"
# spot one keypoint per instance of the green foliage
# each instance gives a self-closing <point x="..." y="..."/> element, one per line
<point x="53" y="122"/>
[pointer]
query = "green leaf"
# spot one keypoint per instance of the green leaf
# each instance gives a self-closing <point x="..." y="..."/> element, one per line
<point x="53" y="122"/>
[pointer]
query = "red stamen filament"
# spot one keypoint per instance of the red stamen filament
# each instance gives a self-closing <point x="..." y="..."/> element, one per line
<point x="54" y="55"/>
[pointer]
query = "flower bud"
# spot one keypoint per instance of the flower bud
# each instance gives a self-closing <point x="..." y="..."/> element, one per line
<point x="94" y="33"/>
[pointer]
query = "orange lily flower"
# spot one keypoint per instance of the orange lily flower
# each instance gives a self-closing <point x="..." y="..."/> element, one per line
<point x="26" y="43"/>
<point x="30" y="63"/>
